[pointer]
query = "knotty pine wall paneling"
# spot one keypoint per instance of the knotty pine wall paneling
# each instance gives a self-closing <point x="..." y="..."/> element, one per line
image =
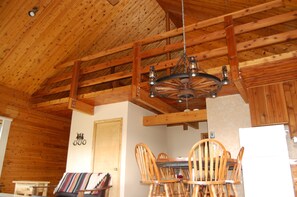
<point x="274" y="104"/>
<point x="37" y="142"/>
<point x="267" y="105"/>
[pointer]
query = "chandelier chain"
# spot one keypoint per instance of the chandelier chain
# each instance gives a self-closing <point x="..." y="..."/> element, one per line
<point x="183" y="23"/>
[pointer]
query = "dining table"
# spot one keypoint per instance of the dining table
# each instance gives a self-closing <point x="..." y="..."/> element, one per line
<point x="182" y="163"/>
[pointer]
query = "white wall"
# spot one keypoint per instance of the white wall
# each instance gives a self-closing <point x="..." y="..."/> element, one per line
<point x="154" y="137"/>
<point x="179" y="141"/>
<point x="225" y="115"/>
<point x="80" y="157"/>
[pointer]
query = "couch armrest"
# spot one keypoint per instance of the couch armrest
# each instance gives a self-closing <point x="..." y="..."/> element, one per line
<point x="81" y="192"/>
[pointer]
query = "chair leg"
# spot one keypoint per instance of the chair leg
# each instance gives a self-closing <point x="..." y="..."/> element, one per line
<point x="212" y="191"/>
<point x="179" y="189"/>
<point x="195" y="191"/>
<point x="234" y="190"/>
<point x="205" y="191"/>
<point x="167" y="190"/>
<point x="151" y="190"/>
<point x="228" y="186"/>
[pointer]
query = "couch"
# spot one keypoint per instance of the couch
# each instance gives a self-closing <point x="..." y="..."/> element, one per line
<point x="83" y="184"/>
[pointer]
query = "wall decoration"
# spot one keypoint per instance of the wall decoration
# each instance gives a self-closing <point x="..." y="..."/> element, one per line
<point x="79" y="139"/>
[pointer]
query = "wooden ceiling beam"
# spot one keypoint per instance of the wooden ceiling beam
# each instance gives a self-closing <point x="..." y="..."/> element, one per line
<point x="175" y="118"/>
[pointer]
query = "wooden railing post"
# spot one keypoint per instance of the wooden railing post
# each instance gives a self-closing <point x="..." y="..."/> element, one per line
<point x="73" y="102"/>
<point x="233" y="59"/>
<point x="136" y="70"/>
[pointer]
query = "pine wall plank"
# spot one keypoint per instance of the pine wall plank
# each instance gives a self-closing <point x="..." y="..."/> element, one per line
<point x="37" y="142"/>
<point x="274" y="104"/>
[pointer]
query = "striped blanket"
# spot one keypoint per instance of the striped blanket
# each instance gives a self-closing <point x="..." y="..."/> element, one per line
<point x="73" y="182"/>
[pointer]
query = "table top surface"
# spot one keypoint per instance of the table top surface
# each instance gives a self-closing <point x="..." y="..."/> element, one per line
<point x="182" y="162"/>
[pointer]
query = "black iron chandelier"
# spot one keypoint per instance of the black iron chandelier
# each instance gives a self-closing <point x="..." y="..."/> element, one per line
<point x="186" y="81"/>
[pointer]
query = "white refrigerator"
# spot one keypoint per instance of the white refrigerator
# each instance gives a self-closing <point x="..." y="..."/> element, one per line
<point x="265" y="164"/>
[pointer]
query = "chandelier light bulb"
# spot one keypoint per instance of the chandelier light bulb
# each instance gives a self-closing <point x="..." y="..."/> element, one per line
<point x="33" y="12"/>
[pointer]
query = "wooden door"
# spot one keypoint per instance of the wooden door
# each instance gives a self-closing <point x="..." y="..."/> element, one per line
<point x="107" y="150"/>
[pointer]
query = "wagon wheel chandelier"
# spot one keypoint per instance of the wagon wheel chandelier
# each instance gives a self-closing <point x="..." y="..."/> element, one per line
<point x="186" y="81"/>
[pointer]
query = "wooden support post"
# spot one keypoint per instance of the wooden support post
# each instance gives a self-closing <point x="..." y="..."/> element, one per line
<point x="136" y="70"/>
<point x="73" y="103"/>
<point x="233" y="59"/>
<point x="75" y="78"/>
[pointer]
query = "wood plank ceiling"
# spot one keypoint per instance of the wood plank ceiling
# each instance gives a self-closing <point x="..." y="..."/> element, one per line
<point x="38" y="53"/>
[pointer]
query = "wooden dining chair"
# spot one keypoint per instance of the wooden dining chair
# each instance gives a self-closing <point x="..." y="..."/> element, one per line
<point x="207" y="168"/>
<point x="169" y="172"/>
<point x="235" y="176"/>
<point x="150" y="173"/>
